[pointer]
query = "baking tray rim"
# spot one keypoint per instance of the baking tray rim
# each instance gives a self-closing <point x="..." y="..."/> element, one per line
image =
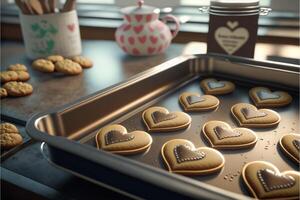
<point x="110" y="160"/>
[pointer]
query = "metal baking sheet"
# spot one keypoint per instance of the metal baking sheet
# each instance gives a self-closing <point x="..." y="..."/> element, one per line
<point x="69" y="131"/>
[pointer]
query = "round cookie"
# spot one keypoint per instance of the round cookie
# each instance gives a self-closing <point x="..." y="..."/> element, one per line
<point x="181" y="156"/>
<point x="17" y="67"/>
<point x="116" y="139"/>
<point x="160" y="119"/>
<point x="3" y="93"/>
<point x="23" y="76"/>
<point x="221" y="136"/>
<point x="9" y="136"/>
<point x="216" y="87"/>
<point x="290" y="145"/>
<point x="8" y="141"/>
<point x="68" y="67"/>
<point x="8" y="128"/>
<point x="7" y="76"/>
<point x="55" y="58"/>
<point x="263" y="97"/>
<point x="248" y="115"/>
<point x="83" y="61"/>
<point x="43" y="65"/>
<point x="192" y="101"/>
<point x="18" y="89"/>
<point x="265" y="181"/>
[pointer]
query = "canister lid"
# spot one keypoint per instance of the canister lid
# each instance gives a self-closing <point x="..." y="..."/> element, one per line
<point x="140" y="9"/>
<point x="234" y="3"/>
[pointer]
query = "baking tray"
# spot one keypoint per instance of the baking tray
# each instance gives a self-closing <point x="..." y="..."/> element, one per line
<point x="69" y="131"/>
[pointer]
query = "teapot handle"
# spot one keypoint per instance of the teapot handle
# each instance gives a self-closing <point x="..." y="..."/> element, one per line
<point x="167" y="18"/>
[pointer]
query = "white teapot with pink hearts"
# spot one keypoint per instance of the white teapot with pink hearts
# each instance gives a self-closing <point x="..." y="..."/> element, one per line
<point x="142" y="33"/>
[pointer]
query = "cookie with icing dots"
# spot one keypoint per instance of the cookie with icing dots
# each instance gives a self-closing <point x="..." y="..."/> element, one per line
<point x="182" y="157"/>
<point x="265" y="181"/>
<point x="160" y="119"/>
<point x="194" y="102"/>
<point x="221" y="136"/>
<point x="290" y="145"/>
<point x="115" y="138"/>
<point x="248" y="115"/>
<point x="263" y="97"/>
<point x="216" y="87"/>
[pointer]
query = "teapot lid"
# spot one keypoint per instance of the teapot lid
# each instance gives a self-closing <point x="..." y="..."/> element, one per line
<point x="140" y="9"/>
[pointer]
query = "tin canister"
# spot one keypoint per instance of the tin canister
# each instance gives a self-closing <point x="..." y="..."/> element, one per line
<point x="233" y="26"/>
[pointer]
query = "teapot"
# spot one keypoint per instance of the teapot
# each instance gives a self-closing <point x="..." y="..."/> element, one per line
<point x="142" y="33"/>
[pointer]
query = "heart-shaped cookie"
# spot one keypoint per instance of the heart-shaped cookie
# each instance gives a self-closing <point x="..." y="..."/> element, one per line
<point x="221" y="136"/>
<point x="264" y="97"/>
<point x="247" y="115"/>
<point x="213" y="86"/>
<point x="290" y="144"/>
<point x="159" y="119"/>
<point x="116" y="139"/>
<point x="265" y="181"/>
<point x="181" y="156"/>
<point x="194" y="102"/>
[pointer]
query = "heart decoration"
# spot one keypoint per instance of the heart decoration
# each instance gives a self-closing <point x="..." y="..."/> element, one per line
<point x="231" y="40"/>
<point x="114" y="136"/>
<point x="138" y="17"/>
<point x="272" y="181"/>
<point x="153" y="39"/>
<point x="265" y="181"/>
<point x="251" y="113"/>
<point x="131" y="40"/>
<point x="290" y="145"/>
<point x="213" y="86"/>
<point x="148" y="18"/>
<point x="159" y="119"/>
<point x="135" y="51"/>
<point x="194" y="102"/>
<point x="121" y="39"/>
<point x="71" y="27"/>
<point x="138" y="29"/>
<point x="151" y="50"/>
<point x="264" y="97"/>
<point x="181" y="156"/>
<point x="194" y="99"/>
<point x="232" y="25"/>
<point x="184" y="153"/>
<point x="126" y="27"/>
<point x="142" y="39"/>
<point x="158" y="116"/>
<point x="247" y="115"/>
<point x="116" y="139"/>
<point x="221" y="136"/>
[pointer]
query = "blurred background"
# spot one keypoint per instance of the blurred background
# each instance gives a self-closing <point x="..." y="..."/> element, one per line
<point x="99" y="19"/>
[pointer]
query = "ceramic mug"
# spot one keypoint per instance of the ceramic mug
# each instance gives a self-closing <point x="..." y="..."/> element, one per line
<point x="48" y="34"/>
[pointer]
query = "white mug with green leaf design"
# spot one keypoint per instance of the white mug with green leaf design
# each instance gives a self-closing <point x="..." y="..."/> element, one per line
<point x="56" y="33"/>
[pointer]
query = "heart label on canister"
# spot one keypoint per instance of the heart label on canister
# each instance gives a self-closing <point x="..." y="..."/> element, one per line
<point x="231" y="38"/>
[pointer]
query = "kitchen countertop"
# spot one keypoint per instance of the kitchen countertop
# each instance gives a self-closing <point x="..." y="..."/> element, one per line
<point x="111" y="66"/>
